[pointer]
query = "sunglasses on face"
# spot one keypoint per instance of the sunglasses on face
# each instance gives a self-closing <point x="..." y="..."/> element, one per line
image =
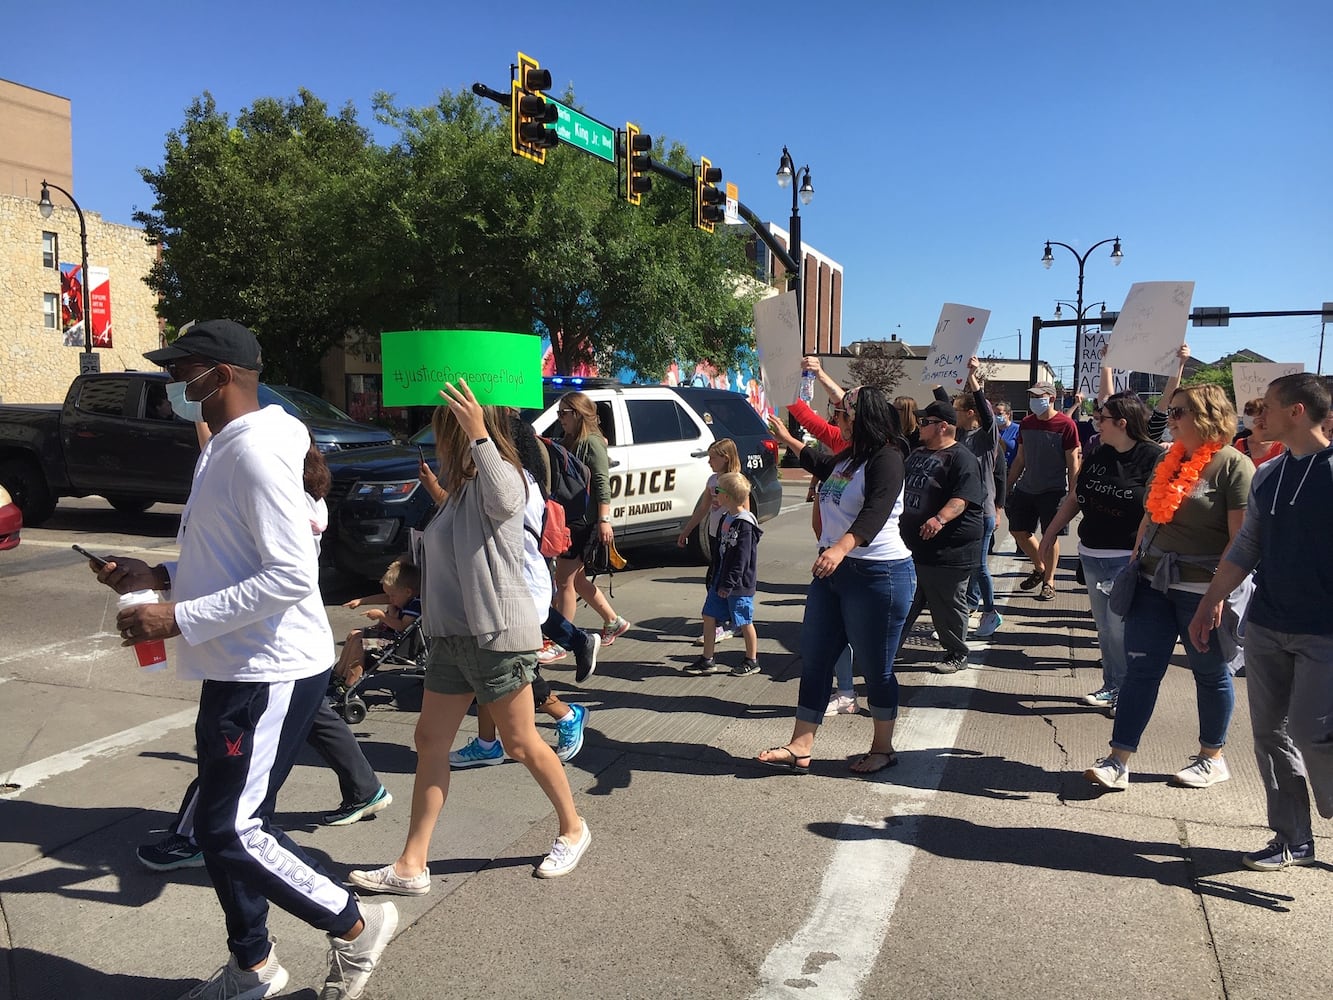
<point x="565" y="413"/>
<point x="930" y="421"/>
<point x="1177" y="412"/>
<point x="838" y="411"/>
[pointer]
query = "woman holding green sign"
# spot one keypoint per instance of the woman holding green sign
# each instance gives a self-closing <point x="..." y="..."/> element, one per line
<point x="583" y="437"/>
<point x="484" y="632"/>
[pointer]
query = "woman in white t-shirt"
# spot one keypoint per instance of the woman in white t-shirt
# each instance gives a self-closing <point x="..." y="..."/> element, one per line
<point x="863" y="579"/>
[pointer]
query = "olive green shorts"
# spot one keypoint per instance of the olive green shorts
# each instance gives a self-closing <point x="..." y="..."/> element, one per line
<point x="456" y="664"/>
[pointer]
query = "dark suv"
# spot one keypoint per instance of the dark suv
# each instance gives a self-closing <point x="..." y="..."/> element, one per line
<point x="657" y="441"/>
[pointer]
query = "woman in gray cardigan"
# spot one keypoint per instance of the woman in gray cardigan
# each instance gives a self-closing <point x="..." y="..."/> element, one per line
<point x="483" y="633"/>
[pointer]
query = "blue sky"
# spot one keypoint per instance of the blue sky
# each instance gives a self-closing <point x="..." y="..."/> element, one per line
<point x="947" y="141"/>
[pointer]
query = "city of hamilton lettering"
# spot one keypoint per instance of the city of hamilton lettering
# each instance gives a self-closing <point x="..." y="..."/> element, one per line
<point x="637" y="484"/>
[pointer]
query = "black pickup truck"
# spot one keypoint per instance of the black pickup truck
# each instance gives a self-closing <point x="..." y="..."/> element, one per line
<point x="116" y="437"/>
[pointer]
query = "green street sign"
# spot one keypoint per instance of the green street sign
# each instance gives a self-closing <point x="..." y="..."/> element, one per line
<point x="588" y="134"/>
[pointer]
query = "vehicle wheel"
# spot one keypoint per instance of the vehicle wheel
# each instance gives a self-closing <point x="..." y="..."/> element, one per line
<point x="130" y="505"/>
<point x="703" y="545"/>
<point x="354" y="712"/>
<point x="27" y="486"/>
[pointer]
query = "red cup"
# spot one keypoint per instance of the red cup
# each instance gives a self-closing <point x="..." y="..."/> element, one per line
<point x="152" y="654"/>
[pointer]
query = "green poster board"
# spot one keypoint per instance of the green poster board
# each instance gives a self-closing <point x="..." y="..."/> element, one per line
<point x="501" y="369"/>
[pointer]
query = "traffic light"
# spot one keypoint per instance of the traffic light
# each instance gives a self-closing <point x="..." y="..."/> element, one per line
<point x="637" y="162"/>
<point x="529" y="112"/>
<point x="708" y="197"/>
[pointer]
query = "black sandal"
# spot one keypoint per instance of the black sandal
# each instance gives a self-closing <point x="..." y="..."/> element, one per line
<point x="890" y="760"/>
<point x="792" y="765"/>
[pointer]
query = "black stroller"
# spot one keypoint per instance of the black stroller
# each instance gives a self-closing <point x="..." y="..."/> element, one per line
<point x="405" y="649"/>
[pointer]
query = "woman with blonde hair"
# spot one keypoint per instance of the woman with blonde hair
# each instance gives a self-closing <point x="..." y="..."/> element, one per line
<point x="1195" y="504"/>
<point x="906" y="407"/>
<point x="722" y="458"/>
<point x="479" y="615"/>
<point x="582" y="435"/>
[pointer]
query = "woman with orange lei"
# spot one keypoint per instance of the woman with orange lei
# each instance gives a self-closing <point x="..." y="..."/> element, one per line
<point x="1195" y="505"/>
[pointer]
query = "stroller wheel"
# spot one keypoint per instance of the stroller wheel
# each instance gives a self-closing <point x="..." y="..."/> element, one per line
<point x="354" y="711"/>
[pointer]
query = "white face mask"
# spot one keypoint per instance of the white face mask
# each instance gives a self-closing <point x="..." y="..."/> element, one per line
<point x="1248" y="421"/>
<point x="188" y="409"/>
<point x="1039" y="404"/>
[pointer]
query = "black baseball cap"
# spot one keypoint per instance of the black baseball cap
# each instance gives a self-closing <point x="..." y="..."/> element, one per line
<point x="940" y="411"/>
<point x="222" y="340"/>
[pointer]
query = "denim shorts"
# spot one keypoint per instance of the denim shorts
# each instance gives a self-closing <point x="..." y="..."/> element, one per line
<point x="737" y="610"/>
<point x="458" y="665"/>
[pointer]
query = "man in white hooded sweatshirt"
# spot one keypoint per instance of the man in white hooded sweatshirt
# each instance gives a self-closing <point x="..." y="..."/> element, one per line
<point x="244" y="597"/>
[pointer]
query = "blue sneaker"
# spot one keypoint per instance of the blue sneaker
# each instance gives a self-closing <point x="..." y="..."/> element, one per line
<point x="169" y="854"/>
<point x="570" y="731"/>
<point x="473" y="754"/>
<point x="1278" y="855"/>
<point x="347" y="814"/>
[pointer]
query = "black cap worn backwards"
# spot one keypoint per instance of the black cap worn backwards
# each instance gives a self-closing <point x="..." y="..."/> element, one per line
<point x="221" y="340"/>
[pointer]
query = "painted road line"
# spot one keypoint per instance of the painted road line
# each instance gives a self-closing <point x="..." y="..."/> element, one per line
<point x="834" y="951"/>
<point x="72" y="650"/>
<point x="31" y="775"/>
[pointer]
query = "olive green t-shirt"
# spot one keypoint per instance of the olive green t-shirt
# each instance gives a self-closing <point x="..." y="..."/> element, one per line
<point x="1199" y="527"/>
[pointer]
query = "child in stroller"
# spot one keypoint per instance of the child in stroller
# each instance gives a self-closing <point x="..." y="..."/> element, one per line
<point x="402" y="586"/>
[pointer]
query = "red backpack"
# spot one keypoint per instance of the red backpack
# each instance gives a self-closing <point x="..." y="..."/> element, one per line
<point x="555" y="537"/>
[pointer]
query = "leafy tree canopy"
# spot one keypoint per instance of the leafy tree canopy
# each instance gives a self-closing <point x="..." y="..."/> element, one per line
<point x="295" y="221"/>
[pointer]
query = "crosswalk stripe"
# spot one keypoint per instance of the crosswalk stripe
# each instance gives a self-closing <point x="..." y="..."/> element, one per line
<point x="31" y="775"/>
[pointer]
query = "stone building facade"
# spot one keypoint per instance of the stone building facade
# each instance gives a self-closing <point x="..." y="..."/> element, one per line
<point x="35" y="364"/>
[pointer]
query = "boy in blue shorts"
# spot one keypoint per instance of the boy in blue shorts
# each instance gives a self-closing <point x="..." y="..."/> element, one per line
<point x="732" y="575"/>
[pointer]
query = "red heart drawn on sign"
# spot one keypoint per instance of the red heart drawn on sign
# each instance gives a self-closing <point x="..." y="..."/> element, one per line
<point x="959" y="381"/>
<point x="970" y="318"/>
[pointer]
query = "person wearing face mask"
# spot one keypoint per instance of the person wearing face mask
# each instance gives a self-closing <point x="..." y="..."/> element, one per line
<point x="244" y="598"/>
<point x="1004" y="420"/>
<point x="1039" y="477"/>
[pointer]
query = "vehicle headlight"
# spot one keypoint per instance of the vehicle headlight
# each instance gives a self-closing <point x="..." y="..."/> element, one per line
<point x="394" y="491"/>
<point x="325" y="447"/>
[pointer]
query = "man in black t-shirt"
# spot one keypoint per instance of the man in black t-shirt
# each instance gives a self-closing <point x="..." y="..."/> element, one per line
<point x="943" y="495"/>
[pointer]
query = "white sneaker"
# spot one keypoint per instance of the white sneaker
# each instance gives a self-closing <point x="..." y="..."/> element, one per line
<point x="841" y="704"/>
<point x="989" y="624"/>
<point x="231" y="982"/>
<point x="1202" y="772"/>
<point x="387" y="880"/>
<point x="550" y="652"/>
<point x="564" y="856"/>
<point x="1109" y="773"/>
<point x="352" y="962"/>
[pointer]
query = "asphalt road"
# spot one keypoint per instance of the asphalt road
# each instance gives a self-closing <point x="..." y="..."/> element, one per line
<point x="981" y="866"/>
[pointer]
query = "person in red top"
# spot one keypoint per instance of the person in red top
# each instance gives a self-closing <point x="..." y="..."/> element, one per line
<point x="1256" y="444"/>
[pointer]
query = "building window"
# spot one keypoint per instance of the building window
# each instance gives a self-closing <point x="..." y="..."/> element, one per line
<point x="50" y="250"/>
<point x="50" y="310"/>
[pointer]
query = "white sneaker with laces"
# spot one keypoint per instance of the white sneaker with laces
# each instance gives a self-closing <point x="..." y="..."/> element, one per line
<point x="387" y="880"/>
<point x="989" y="624"/>
<point x="1109" y="773"/>
<point x="841" y="704"/>
<point x="231" y="982"/>
<point x="565" y="855"/>
<point x="1202" y="772"/>
<point x="352" y="962"/>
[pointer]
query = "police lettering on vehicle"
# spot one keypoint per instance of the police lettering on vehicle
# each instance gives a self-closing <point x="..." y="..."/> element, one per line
<point x="656" y="481"/>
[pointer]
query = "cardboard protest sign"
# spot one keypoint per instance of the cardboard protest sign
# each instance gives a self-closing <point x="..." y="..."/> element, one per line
<point x="1091" y="354"/>
<point x="777" y="338"/>
<point x="957" y="337"/>
<point x="1151" y="327"/>
<point x="1249" y="379"/>
<point x="501" y="369"/>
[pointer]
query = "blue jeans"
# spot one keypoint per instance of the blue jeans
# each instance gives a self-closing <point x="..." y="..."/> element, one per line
<point x="1110" y="628"/>
<point x="843" y="670"/>
<point x="981" y="591"/>
<point x="863" y="603"/>
<point x="1154" y="623"/>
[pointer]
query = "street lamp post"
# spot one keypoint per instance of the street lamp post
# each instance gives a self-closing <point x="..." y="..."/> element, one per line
<point x="1047" y="259"/>
<point x="46" y="209"/>
<point x="804" y="193"/>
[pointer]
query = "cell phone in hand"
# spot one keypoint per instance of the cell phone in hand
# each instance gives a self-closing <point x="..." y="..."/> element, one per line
<point x="88" y="555"/>
<point x="421" y="455"/>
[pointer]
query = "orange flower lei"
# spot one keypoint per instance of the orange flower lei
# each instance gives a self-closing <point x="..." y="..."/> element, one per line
<point x="1175" y="480"/>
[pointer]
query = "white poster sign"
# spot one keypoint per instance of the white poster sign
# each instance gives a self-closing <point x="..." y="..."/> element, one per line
<point x="957" y="337"/>
<point x="1091" y="355"/>
<point x="1151" y="327"/>
<point x="1249" y="379"/>
<point x="777" y="339"/>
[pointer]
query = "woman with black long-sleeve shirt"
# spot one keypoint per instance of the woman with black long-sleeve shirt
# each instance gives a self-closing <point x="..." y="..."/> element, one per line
<point x="863" y="579"/>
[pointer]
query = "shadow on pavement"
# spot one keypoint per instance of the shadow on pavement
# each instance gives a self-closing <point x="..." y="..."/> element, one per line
<point x="36" y="975"/>
<point x="1164" y="862"/>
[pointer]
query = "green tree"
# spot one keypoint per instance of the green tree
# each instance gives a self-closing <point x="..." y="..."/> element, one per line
<point x="296" y="223"/>
<point x="1212" y="375"/>
<point x="875" y="366"/>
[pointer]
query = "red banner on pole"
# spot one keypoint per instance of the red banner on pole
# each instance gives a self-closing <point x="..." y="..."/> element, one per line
<point x="99" y="291"/>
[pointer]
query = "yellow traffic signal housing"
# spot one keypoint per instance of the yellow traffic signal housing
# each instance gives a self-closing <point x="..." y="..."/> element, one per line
<point x="708" y="198"/>
<point x="529" y="112"/>
<point x="637" y="163"/>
